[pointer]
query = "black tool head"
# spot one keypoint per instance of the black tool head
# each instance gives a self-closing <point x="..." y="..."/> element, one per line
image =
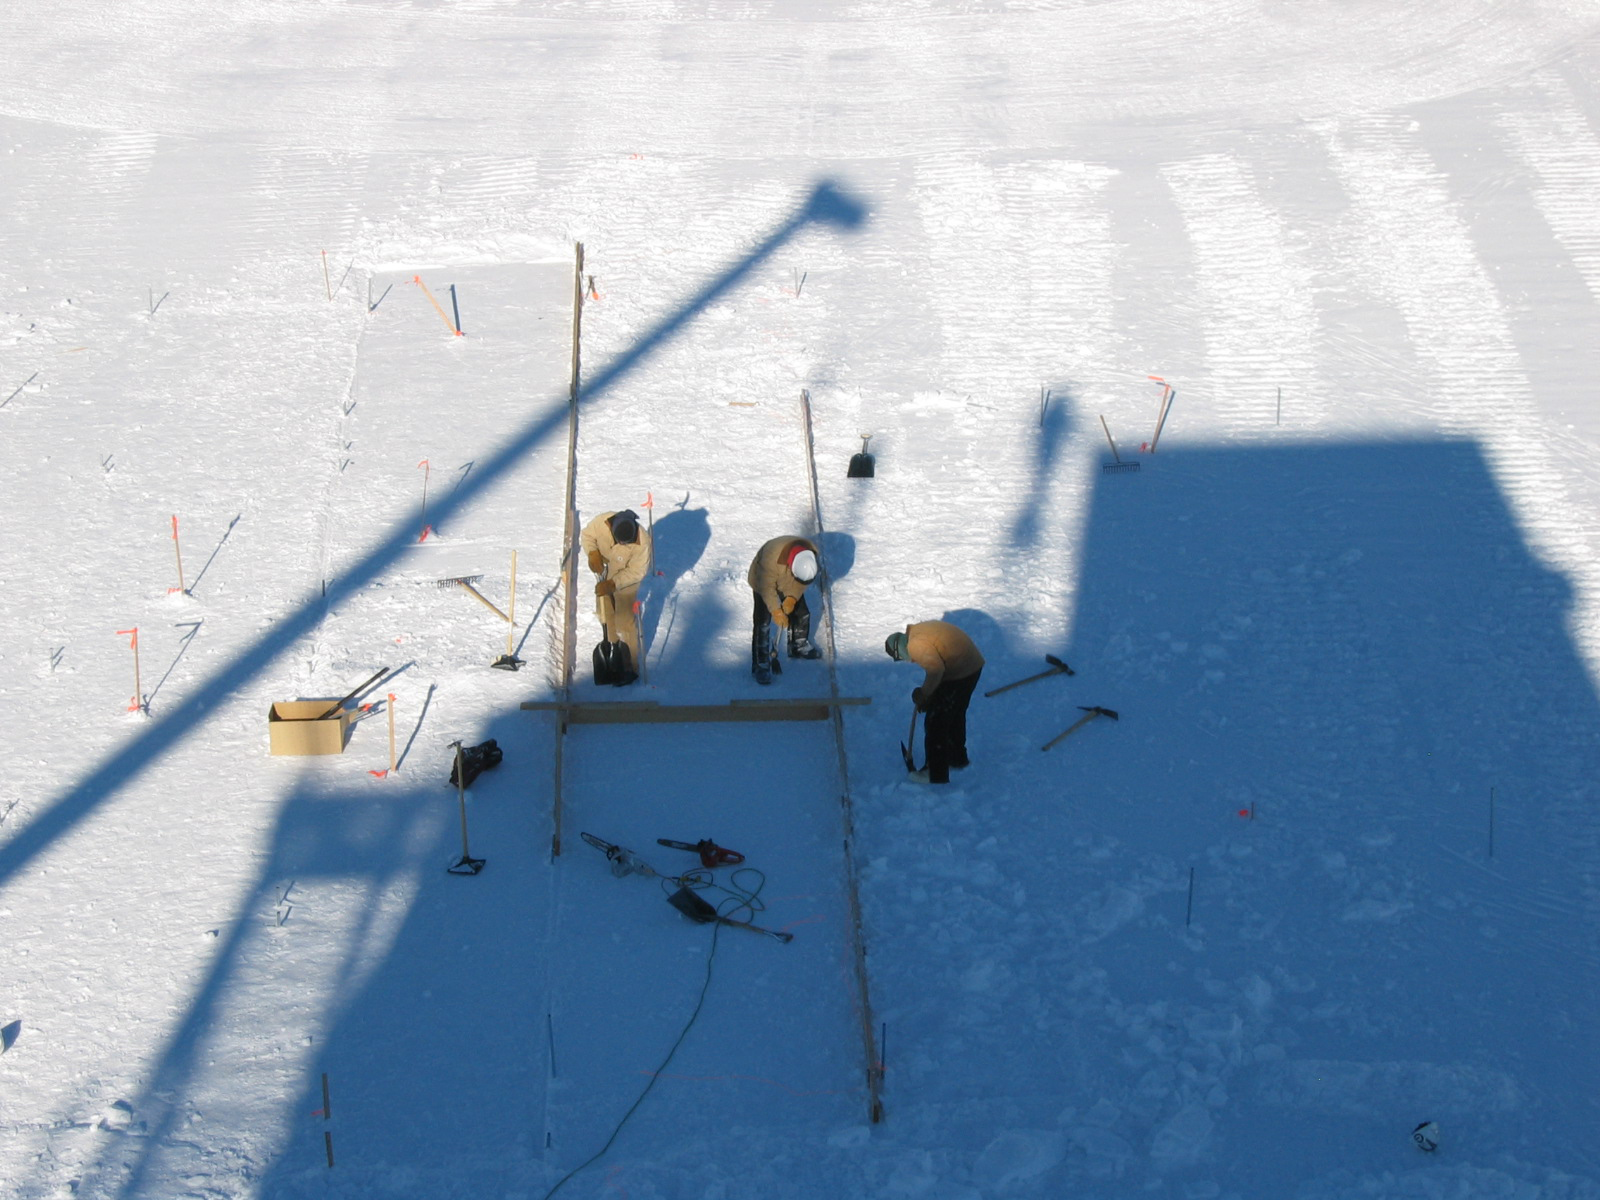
<point x="692" y="905"/>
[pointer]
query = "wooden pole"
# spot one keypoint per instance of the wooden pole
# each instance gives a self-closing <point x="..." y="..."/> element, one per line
<point x="138" y="687"/>
<point x="569" y="573"/>
<point x="178" y="550"/>
<point x="326" y="282"/>
<point x="392" y="764"/>
<point x="1107" y="428"/>
<point x="852" y="876"/>
<point x="511" y="615"/>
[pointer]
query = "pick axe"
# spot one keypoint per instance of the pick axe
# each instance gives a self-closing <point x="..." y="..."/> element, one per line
<point x="1057" y="667"/>
<point x="911" y="737"/>
<point x="1091" y="712"/>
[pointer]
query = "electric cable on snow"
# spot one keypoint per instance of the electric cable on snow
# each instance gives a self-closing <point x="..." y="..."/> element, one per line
<point x="743" y="888"/>
<point x="655" y="1075"/>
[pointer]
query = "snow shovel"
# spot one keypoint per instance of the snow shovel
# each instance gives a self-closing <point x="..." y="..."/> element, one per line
<point x="466" y="864"/>
<point x="1057" y="667"/>
<point x="698" y="909"/>
<point x="862" y="465"/>
<point x="1091" y="712"/>
<point x="354" y="692"/>
<point x="911" y="741"/>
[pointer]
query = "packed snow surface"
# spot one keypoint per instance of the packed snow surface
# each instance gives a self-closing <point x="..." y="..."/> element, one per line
<point x="1330" y="874"/>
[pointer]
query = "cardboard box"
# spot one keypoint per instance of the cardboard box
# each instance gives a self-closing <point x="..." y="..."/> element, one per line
<point x="298" y="727"/>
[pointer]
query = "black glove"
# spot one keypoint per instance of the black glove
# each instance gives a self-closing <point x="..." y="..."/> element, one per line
<point x="917" y="699"/>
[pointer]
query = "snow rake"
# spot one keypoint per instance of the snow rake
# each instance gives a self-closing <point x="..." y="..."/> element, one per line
<point x="1116" y="467"/>
<point x="1057" y="667"/>
<point x="1090" y="713"/>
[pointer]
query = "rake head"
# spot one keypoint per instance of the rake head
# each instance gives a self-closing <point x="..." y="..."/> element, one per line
<point x="1118" y="468"/>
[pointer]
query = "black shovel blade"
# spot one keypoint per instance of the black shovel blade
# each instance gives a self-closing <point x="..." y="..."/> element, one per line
<point x="911" y="763"/>
<point x="692" y="905"/>
<point x="466" y="866"/>
<point x="862" y="466"/>
<point x="605" y="663"/>
<point x="506" y="662"/>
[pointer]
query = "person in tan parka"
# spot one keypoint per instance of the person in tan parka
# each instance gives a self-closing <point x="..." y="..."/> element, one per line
<point x="951" y="666"/>
<point x="618" y="551"/>
<point x="782" y="570"/>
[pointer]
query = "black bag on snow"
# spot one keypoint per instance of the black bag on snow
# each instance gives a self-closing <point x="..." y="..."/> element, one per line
<point x="475" y="760"/>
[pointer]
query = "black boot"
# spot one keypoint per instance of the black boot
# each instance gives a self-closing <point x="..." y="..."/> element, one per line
<point x="800" y="635"/>
<point x="761" y="651"/>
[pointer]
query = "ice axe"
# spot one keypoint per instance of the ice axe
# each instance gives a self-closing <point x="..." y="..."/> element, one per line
<point x="911" y="738"/>
<point x="1057" y="667"/>
<point x="1091" y="712"/>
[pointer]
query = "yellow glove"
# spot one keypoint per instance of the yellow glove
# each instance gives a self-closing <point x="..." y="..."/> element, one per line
<point x="596" y="563"/>
<point x="604" y="588"/>
<point x="782" y="618"/>
<point x="788" y="604"/>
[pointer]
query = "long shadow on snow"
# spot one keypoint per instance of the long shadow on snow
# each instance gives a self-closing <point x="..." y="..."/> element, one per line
<point x="434" y="1021"/>
<point x="1354" y="642"/>
<point x="826" y="205"/>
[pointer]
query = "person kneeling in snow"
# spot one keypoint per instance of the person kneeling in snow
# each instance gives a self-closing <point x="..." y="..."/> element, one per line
<point x="951" y="665"/>
<point x="782" y="570"/>
<point x="619" y="553"/>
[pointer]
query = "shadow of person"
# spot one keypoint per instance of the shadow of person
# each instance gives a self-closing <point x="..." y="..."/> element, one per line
<point x="983" y="629"/>
<point x="679" y="538"/>
<point x="838" y="554"/>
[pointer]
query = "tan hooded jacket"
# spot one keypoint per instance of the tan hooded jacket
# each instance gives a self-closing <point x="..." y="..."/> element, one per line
<point x="943" y="651"/>
<point x="769" y="576"/>
<point x="626" y="565"/>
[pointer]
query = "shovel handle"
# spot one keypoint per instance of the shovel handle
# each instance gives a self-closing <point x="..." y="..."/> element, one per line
<point x="354" y="692"/>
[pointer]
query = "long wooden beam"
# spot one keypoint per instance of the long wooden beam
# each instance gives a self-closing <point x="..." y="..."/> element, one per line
<point x="652" y="712"/>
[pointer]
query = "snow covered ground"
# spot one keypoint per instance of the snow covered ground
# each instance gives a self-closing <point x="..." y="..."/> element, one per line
<point x="1332" y="873"/>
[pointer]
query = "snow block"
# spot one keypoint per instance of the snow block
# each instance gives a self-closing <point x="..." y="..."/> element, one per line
<point x="298" y="727"/>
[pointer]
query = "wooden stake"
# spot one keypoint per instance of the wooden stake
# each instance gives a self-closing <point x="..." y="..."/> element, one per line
<point x="455" y="308"/>
<point x="511" y="613"/>
<point x="1189" y="910"/>
<point x="426" y="471"/>
<point x="178" y="550"/>
<point x="137" y="705"/>
<point x="327" y="1140"/>
<point x="326" y="282"/>
<point x="393" y="766"/>
<point x="417" y="279"/>
<point x="327" y="1107"/>
<point x="1279" y="418"/>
